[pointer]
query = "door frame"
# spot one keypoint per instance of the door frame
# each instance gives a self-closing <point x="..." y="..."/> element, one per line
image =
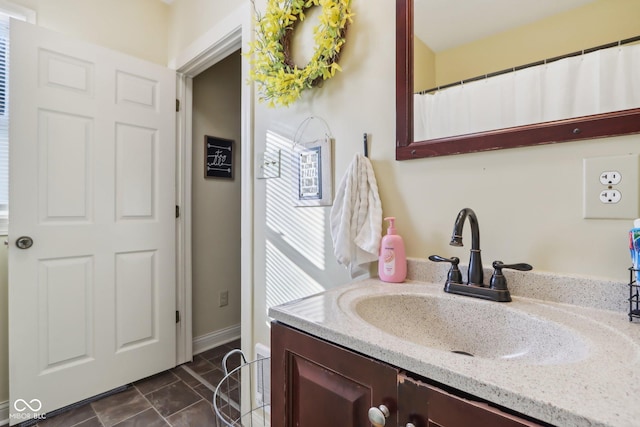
<point x="229" y="35"/>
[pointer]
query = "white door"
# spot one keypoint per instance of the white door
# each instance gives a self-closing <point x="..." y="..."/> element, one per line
<point x="92" y="183"/>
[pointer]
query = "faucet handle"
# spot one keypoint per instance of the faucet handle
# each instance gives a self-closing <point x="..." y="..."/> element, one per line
<point x="498" y="281"/>
<point x="454" y="275"/>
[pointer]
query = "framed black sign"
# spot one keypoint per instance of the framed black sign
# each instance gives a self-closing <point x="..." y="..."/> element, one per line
<point x="218" y="157"/>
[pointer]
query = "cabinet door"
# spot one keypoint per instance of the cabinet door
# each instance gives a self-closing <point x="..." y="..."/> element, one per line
<point x="425" y="405"/>
<point x="318" y="384"/>
<point x="413" y="399"/>
<point x="447" y="410"/>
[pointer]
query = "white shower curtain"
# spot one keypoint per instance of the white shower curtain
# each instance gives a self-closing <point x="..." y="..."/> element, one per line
<point x="597" y="82"/>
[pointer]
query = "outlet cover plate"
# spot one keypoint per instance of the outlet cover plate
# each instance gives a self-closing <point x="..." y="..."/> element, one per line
<point x="268" y="164"/>
<point x="627" y="187"/>
<point x="224" y="298"/>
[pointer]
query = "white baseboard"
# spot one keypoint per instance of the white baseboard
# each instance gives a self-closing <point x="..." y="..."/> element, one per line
<point x="4" y="413"/>
<point x="215" y="339"/>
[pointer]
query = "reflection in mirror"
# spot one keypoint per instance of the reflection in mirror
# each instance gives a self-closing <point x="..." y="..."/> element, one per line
<point x="583" y="96"/>
<point x="589" y="82"/>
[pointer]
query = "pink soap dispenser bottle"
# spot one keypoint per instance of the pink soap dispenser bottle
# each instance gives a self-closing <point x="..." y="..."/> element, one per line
<point x="392" y="262"/>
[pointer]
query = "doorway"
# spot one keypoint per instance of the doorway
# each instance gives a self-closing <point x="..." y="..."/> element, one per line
<point x="213" y="47"/>
<point x="216" y="203"/>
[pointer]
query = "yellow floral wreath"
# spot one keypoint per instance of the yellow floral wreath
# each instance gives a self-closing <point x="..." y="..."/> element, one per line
<point x="279" y="80"/>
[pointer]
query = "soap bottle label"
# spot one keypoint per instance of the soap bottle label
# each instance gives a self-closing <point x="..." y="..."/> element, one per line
<point x="389" y="261"/>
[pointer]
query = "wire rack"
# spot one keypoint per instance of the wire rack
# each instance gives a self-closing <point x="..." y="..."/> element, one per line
<point x="634" y="297"/>
<point x="226" y="398"/>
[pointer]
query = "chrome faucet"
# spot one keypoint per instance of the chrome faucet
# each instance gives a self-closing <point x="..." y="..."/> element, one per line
<point x="475" y="274"/>
<point x="475" y="287"/>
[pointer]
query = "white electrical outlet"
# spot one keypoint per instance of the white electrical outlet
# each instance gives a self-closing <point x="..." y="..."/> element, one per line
<point x="610" y="178"/>
<point x="611" y="187"/>
<point x="610" y="196"/>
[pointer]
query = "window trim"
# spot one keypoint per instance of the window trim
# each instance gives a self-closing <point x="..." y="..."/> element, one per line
<point x="18" y="12"/>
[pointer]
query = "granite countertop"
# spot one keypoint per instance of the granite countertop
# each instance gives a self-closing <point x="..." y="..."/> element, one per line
<point x="596" y="381"/>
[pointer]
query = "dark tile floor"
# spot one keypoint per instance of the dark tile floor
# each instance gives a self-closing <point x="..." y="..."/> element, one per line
<point x="174" y="398"/>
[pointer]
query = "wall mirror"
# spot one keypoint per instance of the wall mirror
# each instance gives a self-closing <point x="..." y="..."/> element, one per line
<point x="602" y="124"/>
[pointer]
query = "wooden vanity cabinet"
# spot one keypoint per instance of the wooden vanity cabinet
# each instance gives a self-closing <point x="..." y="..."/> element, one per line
<point x="318" y="384"/>
<point x="425" y="405"/>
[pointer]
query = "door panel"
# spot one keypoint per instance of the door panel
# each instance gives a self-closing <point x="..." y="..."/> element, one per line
<point x="66" y="332"/>
<point x="136" y="171"/>
<point x="92" y="181"/>
<point x="65" y="145"/>
<point x="136" y="90"/>
<point x="136" y="290"/>
<point x="66" y="73"/>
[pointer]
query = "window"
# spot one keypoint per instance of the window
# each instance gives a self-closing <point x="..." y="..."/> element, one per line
<point x="4" y="123"/>
<point x="7" y="11"/>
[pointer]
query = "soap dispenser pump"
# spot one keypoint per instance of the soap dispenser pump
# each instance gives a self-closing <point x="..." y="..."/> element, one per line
<point x="392" y="262"/>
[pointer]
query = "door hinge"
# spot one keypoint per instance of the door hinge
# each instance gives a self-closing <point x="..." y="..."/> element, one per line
<point x="177" y="316"/>
<point x="177" y="105"/>
<point x="177" y="211"/>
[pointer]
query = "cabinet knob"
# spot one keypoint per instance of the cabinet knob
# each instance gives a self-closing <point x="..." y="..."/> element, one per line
<point x="410" y="425"/>
<point x="378" y="416"/>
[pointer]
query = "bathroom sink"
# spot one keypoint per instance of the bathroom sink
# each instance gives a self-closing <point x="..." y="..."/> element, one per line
<point x="471" y="327"/>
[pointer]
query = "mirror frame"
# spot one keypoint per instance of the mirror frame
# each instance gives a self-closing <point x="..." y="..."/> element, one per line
<point x="595" y="126"/>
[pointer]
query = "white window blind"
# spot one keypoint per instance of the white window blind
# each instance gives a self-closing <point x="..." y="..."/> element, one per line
<point x="4" y="122"/>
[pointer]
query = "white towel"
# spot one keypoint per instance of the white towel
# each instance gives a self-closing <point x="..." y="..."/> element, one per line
<point x="356" y="217"/>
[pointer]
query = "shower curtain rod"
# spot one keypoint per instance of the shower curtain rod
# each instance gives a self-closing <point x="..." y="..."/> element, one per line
<point x="532" y="64"/>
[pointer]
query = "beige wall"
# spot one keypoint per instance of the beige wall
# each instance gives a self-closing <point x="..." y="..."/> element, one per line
<point x="567" y="32"/>
<point x="136" y="27"/>
<point x="424" y="64"/>
<point x="216" y="201"/>
<point x="190" y="19"/>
